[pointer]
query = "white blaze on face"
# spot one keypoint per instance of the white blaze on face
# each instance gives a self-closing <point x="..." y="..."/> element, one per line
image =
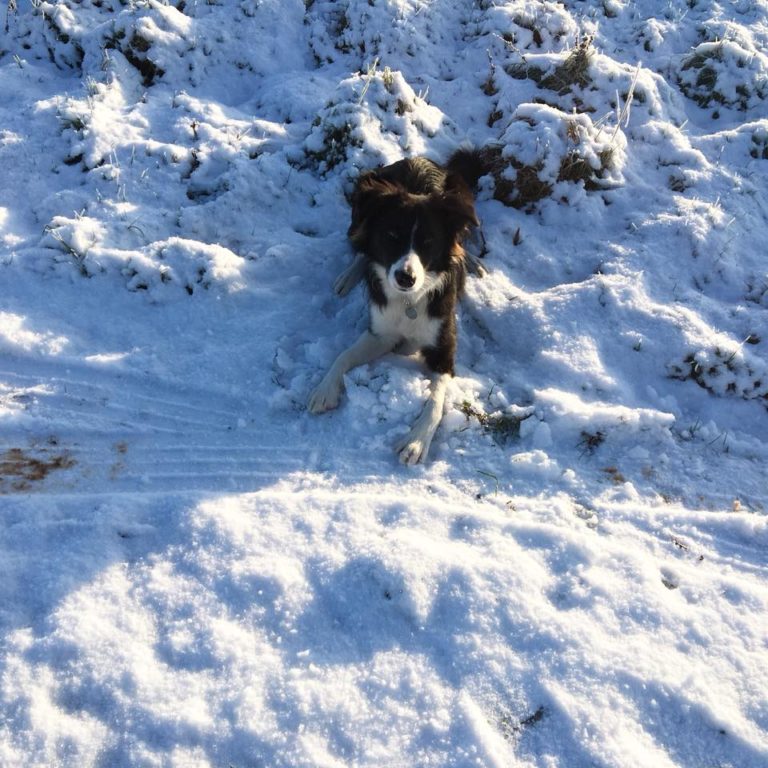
<point x="407" y="273"/>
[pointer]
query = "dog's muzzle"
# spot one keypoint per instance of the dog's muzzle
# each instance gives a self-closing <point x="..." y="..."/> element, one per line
<point x="405" y="280"/>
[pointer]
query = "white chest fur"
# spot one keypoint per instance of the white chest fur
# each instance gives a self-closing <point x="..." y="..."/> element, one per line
<point x="395" y="320"/>
<point x="405" y="316"/>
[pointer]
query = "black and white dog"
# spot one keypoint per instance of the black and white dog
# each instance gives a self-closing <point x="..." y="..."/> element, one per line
<point x="409" y="220"/>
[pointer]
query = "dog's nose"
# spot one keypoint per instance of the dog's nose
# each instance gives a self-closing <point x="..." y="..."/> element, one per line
<point x="404" y="279"/>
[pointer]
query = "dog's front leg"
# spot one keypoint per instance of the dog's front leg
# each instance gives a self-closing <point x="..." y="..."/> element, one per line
<point x="414" y="447"/>
<point x="351" y="276"/>
<point x="368" y="347"/>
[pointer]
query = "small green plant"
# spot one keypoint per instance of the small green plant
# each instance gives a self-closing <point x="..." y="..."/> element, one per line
<point x="492" y="477"/>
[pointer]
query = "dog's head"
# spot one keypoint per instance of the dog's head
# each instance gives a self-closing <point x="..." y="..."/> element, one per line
<point x="412" y="239"/>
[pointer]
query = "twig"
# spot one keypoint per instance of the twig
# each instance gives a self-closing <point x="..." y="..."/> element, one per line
<point x="624" y="114"/>
<point x="370" y="75"/>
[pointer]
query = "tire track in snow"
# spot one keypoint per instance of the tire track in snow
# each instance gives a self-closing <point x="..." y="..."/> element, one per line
<point x="113" y="397"/>
<point x="78" y="430"/>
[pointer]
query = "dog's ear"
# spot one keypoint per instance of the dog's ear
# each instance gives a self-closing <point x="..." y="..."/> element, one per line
<point x="371" y="194"/>
<point x="458" y="205"/>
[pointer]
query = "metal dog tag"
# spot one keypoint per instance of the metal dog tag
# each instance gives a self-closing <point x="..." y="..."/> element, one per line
<point x="411" y="312"/>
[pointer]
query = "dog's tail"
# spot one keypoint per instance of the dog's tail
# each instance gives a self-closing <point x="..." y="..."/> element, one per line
<point x="472" y="164"/>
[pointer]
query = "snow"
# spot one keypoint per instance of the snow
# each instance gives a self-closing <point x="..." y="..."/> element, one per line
<point x="195" y="571"/>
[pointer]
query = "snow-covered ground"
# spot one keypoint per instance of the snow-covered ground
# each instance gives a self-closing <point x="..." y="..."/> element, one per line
<point x="194" y="571"/>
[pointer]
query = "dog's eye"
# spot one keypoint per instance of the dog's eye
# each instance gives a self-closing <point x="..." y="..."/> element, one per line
<point x="392" y="234"/>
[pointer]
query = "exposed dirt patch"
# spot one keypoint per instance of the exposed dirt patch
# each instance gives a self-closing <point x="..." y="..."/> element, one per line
<point x="20" y="469"/>
<point x="121" y="449"/>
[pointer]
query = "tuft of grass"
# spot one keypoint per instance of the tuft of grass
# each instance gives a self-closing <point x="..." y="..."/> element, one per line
<point x="703" y="83"/>
<point x="489" y="86"/>
<point x="524" y="71"/>
<point x="760" y="148"/>
<point x="336" y="141"/>
<point x="77" y="256"/>
<point x="705" y="89"/>
<point x="616" y="477"/>
<point x="591" y="441"/>
<point x="722" y="373"/>
<point x="524" y="23"/>
<point x="573" y="71"/>
<point x="502" y="427"/>
<point x="575" y="168"/>
<point x="136" y="51"/>
<point x="525" y="186"/>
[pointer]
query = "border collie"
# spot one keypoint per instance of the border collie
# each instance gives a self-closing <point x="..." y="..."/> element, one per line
<point x="409" y="220"/>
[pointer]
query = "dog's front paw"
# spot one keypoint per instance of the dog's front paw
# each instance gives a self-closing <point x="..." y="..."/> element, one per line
<point x="413" y="448"/>
<point x="325" y="397"/>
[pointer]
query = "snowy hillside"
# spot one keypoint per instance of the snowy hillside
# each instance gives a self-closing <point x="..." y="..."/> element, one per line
<point x="195" y="571"/>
